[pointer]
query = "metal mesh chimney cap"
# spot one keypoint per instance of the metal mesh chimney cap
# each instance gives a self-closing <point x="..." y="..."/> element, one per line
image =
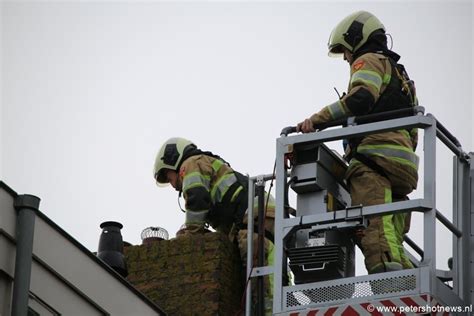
<point x="154" y="233"/>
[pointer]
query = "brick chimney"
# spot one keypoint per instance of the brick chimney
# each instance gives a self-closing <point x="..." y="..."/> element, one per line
<point x="190" y="275"/>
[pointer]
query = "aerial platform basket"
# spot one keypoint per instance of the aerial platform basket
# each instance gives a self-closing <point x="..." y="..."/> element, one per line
<point x="296" y="236"/>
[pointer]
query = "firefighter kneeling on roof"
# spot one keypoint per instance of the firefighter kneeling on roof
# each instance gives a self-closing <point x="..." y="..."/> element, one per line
<point x="383" y="167"/>
<point x="215" y="195"/>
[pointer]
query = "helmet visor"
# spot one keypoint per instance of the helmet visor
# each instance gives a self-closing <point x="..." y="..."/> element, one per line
<point x="336" y="51"/>
<point x="162" y="185"/>
<point x="161" y="179"/>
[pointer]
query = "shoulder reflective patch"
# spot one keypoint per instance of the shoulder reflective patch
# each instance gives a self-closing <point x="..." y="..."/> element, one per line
<point x="358" y="65"/>
<point x="195" y="179"/>
<point x="367" y="77"/>
<point x="217" y="164"/>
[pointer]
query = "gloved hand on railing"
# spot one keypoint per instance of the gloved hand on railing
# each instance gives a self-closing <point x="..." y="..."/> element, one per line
<point x="306" y="126"/>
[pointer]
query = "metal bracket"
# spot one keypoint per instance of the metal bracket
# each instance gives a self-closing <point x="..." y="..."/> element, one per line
<point x="260" y="180"/>
<point x="351" y="121"/>
<point x="444" y="275"/>
<point x="348" y="222"/>
<point x="354" y="207"/>
<point x="261" y="271"/>
<point x="339" y="225"/>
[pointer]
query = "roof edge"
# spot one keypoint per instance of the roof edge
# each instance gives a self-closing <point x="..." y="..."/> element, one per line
<point x="88" y="253"/>
<point x="8" y="189"/>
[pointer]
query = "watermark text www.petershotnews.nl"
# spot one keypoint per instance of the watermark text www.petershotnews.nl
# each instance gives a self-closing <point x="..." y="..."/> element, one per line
<point x="421" y="309"/>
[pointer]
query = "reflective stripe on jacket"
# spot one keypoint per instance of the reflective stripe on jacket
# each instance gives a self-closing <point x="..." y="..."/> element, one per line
<point x="206" y="180"/>
<point x="371" y="74"/>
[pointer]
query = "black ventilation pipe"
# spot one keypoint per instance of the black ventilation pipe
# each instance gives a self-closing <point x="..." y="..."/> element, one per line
<point x="111" y="247"/>
<point x="26" y="205"/>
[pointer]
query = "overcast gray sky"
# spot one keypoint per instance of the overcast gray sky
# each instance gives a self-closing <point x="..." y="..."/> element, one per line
<point x="91" y="90"/>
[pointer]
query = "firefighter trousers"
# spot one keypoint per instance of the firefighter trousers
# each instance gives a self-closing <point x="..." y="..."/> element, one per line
<point x="268" y="260"/>
<point x="382" y="241"/>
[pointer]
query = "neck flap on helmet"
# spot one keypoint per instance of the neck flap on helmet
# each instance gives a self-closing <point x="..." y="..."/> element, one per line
<point x="377" y="43"/>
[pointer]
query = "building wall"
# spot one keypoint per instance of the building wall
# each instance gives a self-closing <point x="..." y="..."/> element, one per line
<point x="190" y="275"/>
<point x="66" y="278"/>
<point x="1" y="92"/>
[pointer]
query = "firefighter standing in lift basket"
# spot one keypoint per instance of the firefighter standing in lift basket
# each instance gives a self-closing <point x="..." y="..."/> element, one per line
<point x="215" y="195"/>
<point x="382" y="167"/>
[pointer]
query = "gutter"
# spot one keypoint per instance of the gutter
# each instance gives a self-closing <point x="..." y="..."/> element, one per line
<point x="26" y="206"/>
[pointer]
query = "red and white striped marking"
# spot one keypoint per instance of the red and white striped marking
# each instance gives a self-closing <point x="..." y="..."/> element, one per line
<point x="373" y="308"/>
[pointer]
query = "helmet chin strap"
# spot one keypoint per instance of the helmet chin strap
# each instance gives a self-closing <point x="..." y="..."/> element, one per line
<point x="179" y="204"/>
<point x="391" y="40"/>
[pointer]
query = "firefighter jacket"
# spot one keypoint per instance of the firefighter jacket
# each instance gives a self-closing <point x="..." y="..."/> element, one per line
<point x="212" y="191"/>
<point x="371" y="89"/>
